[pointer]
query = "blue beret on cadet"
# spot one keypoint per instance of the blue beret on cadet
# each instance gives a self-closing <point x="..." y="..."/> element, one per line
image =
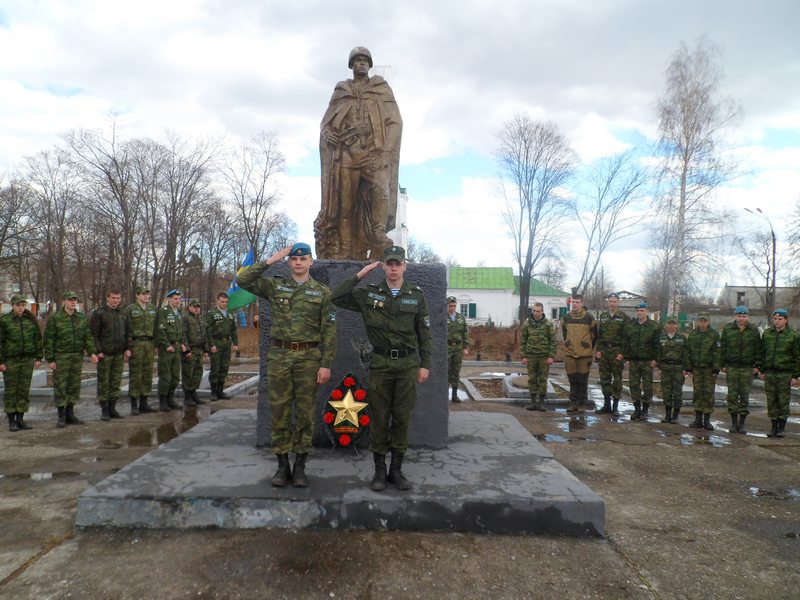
<point x="175" y="292"/>
<point x="613" y="295"/>
<point x="300" y="249"/>
<point x="641" y="305"/>
<point x="782" y="312"/>
<point x="740" y="310"/>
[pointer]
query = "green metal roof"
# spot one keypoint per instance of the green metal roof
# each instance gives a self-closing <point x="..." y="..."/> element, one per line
<point x="481" y="278"/>
<point x="537" y="288"/>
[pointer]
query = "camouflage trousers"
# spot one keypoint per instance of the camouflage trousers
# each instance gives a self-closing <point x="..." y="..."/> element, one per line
<point x="17" y="381"/>
<point x="704" y="381"/>
<point x="140" y="367"/>
<point x="611" y="374"/>
<point x="392" y="396"/>
<point x="67" y="378"/>
<point x="740" y="380"/>
<point x="109" y="376"/>
<point x="455" y="355"/>
<point x="169" y="371"/>
<point x="578" y="375"/>
<point x="292" y="387"/>
<point x="192" y="370"/>
<point x="538" y="370"/>
<point x="778" y="388"/>
<point x="640" y="380"/>
<point x="220" y="361"/>
<point x="672" y="387"/>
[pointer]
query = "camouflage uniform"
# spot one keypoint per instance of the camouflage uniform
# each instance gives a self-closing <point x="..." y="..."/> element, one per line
<point x="457" y="340"/>
<point x="703" y="352"/>
<point x="641" y="348"/>
<point x="196" y="340"/>
<point x="672" y="362"/>
<point x="537" y="344"/>
<point x="169" y="332"/>
<point x="740" y="354"/>
<point x="223" y="334"/>
<point x="20" y="348"/>
<point x="140" y="364"/>
<point x="66" y="338"/>
<point x="303" y="341"/>
<point x="780" y="363"/>
<point x="610" y="343"/>
<point x="580" y="336"/>
<point x="111" y="330"/>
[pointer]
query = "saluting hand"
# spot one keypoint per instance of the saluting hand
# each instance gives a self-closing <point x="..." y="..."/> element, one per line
<point x="279" y="255"/>
<point x="363" y="272"/>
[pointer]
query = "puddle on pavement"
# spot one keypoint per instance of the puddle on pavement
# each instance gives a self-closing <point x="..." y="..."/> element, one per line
<point x="48" y="476"/>
<point x="499" y="375"/>
<point x="784" y="494"/>
<point x="577" y="423"/>
<point x="687" y="439"/>
<point x="152" y="436"/>
<point x="549" y="437"/>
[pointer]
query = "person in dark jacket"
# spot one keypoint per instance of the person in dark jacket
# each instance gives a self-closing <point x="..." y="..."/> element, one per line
<point x="111" y="330"/>
<point x="641" y="351"/>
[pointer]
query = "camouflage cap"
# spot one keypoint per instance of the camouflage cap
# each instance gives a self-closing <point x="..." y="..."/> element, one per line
<point x="672" y="319"/>
<point x="70" y="295"/>
<point x="394" y="253"/>
<point x="300" y="249"/>
<point x="704" y="315"/>
<point x="451" y="299"/>
<point x="740" y="310"/>
<point x="18" y="298"/>
<point x="194" y="302"/>
<point x="142" y="289"/>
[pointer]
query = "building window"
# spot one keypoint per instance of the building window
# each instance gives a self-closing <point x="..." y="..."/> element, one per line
<point x="739" y="298"/>
<point x="469" y="310"/>
<point x="554" y="313"/>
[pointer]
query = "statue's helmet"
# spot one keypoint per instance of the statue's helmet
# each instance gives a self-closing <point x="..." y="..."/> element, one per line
<point x="359" y="51"/>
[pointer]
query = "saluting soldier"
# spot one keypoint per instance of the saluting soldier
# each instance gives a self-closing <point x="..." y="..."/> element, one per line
<point x="457" y="345"/>
<point x="142" y="315"/>
<point x="610" y="345"/>
<point x="300" y="357"/>
<point x="538" y="348"/>
<point x="780" y="366"/>
<point x="111" y="330"/>
<point x="223" y="335"/>
<point x="641" y="351"/>
<point x="197" y="347"/>
<point x="398" y="327"/>
<point x="703" y="349"/>
<point x="740" y="358"/>
<point x="169" y="341"/>
<point x="66" y="338"/>
<point x="20" y="353"/>
<point x="673" y="363"/>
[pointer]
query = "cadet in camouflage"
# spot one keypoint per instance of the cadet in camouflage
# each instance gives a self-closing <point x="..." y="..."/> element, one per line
<point x="224" y="339"/>
<point x="398" y="327"/>
<point x="579" y="330"/>
<point x="300" y="357"/>
<point x="641" y="351"/>
<point x="610" y="345"/>
<point x="111" y="330"/>
<point x="20" y="353"/>
<point x="169" y="341"/>
<point x="703" y="359"/>
<point x="142" y="315"/>
<point x="740" y="358"/>
<point x="673" y="363"/>
<point x="538" y="349"/>
<point x="457" y="345"/>
<point x="780" y="367"/>
<point x="197" y="347"/>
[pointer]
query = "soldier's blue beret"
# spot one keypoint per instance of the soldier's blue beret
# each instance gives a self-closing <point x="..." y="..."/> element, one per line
<point x="782" y="312"/>
<point x="171" y="293"/>
<point x="613" y="295"/>
<point x="300" y="249"/>
<point x="740" y="310"/>
<point x="641" y="305"/>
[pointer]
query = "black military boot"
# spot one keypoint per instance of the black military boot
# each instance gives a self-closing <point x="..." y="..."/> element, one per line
<point x="62" y="416"/>
<point x="162" y="403"/>
<point x="378" y="483"/>
<point x="284" y="473"/>
<point x="781" y="427"/>
<point x="741" y="428"/>
<point x="540" y="406"/>
<point x="171" y="401"/>
<point x="144" y="407"/>
<point x="454" y="395"/>
<point x="12" y="422"/>
<point x="606" y="408"/>
<point x="573" y="407"/>
<point x="615" y="407"/>
<point x="188" y="399"/>
<point x="197" y="399"/>
<point x="134" y="407"/>
<point x="21" y="424"/>
<point x="532" y="404"/>
<point x="299" y="478"/>
<point x="104" y="414"/>
<point x="645" y="411"/>
<point x="734" y="423"/>
<point x="221" y="395"/>
<point x="698" y="420"/>
<point x="667" y="415"/>
<point x="637" y="411"/>
<point x="112" y="410"/>
<point x="675" y="412"/>
<point x="214" y="393"/>
<point x="396" y="477"/>
<point x="71" y="418"/>
<point x="774" y="431"/>
<point x="707" y="422"/>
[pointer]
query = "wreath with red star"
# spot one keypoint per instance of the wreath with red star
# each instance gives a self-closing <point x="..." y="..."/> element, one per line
<point x="346" y="414"/>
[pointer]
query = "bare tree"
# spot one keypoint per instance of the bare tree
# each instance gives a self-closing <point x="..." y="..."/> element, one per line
<point x="759" y="250"/>
<point x="597" y="289"/>
<point x="692" y="118"/>
<point x="552" y="271"/>
<point x="420" y="252"/>
<point x="217" y="245"/>
<point x="607" y="214"/>
<point x="536" y="161"/>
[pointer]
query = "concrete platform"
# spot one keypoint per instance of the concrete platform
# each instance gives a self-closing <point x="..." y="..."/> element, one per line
<point x="493" y="477"/>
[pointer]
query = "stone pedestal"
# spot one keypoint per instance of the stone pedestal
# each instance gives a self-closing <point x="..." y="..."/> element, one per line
<point x="429" y="422"/>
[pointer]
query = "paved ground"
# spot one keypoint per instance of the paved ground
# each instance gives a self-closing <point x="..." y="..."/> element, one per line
<point x="688" y="516"/>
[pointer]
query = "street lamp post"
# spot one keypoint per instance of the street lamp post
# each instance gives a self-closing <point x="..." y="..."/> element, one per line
<point x="770" y="285"/>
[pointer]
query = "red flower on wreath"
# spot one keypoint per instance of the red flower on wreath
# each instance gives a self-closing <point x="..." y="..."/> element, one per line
<point x="336" y="394"/>
<point x="363" y="420"/>
<point x="349" y="382"/>
<point x="344" y="440"/>
<point x="360" y="395"/>
<point x="328" y="418"/>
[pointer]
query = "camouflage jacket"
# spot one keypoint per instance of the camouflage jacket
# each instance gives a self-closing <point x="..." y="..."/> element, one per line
<point x="67" y="333"/>
<point x="703" y="349"/>
<point x="301" y="312"/>
<point x="457" y="332"/>
<point x="392" y="323"/>
<point x="740" y="348"/>
<point x="641" y="340"/>
<point x="169" y="329"/>
<point x="580" y="334"/>
<point x="111" y="330"/>
<point x="538" y="339"/>
<point x="194" y="332"/>
<point x="221" y="328"/>
<point x="143" y="320"/>
<point x="672" y="351"/>
<point x="611" y="332"/>
<point x="781" y="350"/>
<point x="20" y="337"/>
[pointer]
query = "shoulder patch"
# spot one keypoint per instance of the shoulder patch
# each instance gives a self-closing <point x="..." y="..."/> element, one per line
<point x="332" y="316"/>
<point x="427" y="322"/>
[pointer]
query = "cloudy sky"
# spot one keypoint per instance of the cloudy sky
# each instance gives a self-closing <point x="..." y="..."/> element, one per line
<point x="459" y="69"/>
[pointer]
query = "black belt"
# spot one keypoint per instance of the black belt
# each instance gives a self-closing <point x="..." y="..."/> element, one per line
<point x="392" y="352"/>
<point x="294" y="345"/>
<point x="142" y="338"/>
